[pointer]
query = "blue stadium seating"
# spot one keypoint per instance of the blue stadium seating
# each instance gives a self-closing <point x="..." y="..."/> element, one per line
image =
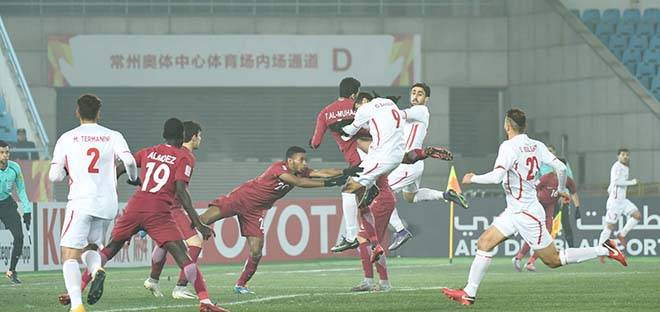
<point x="645" y="81"/>
<point x="645" y="70"/>
<point x="651" y="16"/>
<point x="618" y="41"/>
<point x="618" y="53"/>
<point x="625" y="29"/>
<point x="655" y="84"/>
<point x="646" y="29"/>
<point x="631" y="16"/>
<point x="639" y="41"/>
<point x="654" y="42"/>
<point x="651" y="56"/>
<point x="611" y="16"/>
<point x="591" y="16"/>
<point x="630" y="58"/>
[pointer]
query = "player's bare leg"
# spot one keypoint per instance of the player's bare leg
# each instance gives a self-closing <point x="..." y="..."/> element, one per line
<point x="488" y="240"/>
<point x="256" y="246"/>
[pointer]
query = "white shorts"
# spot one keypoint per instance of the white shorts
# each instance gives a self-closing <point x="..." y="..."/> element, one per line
<point x="530" y="224"/>
<point x="618" y="207"/>
<point x="80" y="229"/>
<point x="406" y="178"/>
<point x="372" y="170"/>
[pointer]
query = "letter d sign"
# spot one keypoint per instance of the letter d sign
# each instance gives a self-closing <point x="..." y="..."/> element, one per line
<point x="341" y="59"/>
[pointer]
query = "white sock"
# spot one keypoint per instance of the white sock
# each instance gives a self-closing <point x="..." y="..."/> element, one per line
<point x="368" y="280"/>
<point x="477" y="271"/>
<point x="92" y="259"/>
<point x="72" y="281"/>
<point x="425" y="194"/>
<point x="578" y="255"/>
<point x="349" y="207"/>
<point x="630" y="224"/>
<point x="604" y="235"/>
<point x="395" y="221"/>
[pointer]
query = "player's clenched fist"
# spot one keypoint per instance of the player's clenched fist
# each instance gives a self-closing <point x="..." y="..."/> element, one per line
<point x="205" y="230"/>
<point x="467" y="178"/>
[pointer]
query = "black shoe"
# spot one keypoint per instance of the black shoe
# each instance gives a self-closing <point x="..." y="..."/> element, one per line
<point x="369" y="196"/>
<point x="459" y="199"/>
<point x="13" y="277"/>
<point x="399" y="239"/>
<point x="345" y="245"/>
<point x="96" y="289"/>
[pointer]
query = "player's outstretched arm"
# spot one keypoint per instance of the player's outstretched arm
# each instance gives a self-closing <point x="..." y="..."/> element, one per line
<point x="183" y="195"/>
<point x="312" y="183"/>
<point x="334" y="172"/>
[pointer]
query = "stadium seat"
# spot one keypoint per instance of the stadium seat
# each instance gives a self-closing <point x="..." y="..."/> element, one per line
<point x="655" y="84"/>
<point x="646" y="29"/>
<point x="591" y="16"/>
<point x="625" y="29"/>
<point x="639" y="42"/>
<point x="618" y="41"/>
<point x="645" y="70"/>
<point x="604" y="31"/>
<point x="651" y="56"/>
<point x="611" y="16"/>
<point x="630" y="58"/>
<point x="651" y="16"/>
<point x="645" y="81"/>
<point x="632" y="16"/>
<point x="655" y="42"/>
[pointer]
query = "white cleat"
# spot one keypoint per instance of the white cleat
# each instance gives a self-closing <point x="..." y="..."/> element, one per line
<point x="153" y="286"/>
<point x="516" y="264"/>
<point x="181" y="292"/>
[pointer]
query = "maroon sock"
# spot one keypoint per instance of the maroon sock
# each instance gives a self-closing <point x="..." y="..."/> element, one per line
<point x="86" y="278"/>
<point x="248" y="270"/>
<point x="381" y="267"/>
<point x="523" y="251"/>
<point x="194" y="275"/>
<point x="194" y="252"/>
<point x="365" y="256"/>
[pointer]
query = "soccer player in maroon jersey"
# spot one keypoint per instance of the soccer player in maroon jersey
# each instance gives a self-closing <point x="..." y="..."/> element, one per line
<point x="545" y="190"/>
<point x="164" y="178"/>
<point x="250" y="200"/>
<point x="192" y="138"/>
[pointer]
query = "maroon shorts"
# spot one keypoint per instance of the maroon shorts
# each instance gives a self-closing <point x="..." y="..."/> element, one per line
<point x="373" y="223"/>
<point x="250" y="219"/>
<point x="151" y="217"/>
<point x="183" y="222"/>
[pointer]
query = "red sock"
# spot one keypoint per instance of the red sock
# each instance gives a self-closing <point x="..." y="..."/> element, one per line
<point x="194" y="275"/>
<point x="194" y="252"/>
<point x="381" y="267"/>
<point x="523" y="251"/>
<point x="86" y="278"/>
<point x="368" y="222"/>
<point x="365" y="256"/>
<point x="248" y="270"/>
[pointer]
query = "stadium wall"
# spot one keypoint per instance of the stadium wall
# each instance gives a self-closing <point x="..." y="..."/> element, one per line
<point x="567" y="89"/>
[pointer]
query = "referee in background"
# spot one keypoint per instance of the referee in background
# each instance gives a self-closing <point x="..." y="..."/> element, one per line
<point x="10" y="175"/>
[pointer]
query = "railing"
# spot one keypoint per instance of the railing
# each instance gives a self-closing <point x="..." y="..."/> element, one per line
<point x="34" y="118"/>
<point x="257" y="7"/>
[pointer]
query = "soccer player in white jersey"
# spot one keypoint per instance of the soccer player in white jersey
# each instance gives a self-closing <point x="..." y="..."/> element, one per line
<point x="617" y="203"/>
<point x="87" y="155"/>
<point x="406" y="178"/>
<point x="517" y="162"/>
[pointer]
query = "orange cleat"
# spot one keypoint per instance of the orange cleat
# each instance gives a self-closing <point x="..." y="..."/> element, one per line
<point x="376" y="253"/>
<point x="458" y="295"/>
<point x="615" y="253"/>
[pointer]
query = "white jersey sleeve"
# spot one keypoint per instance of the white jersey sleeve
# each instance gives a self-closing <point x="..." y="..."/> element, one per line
<point x="361" y="120"/>
<point x="416" y="126"/>
<point x="416" y="113"/>
<point x="619" y="182"/>
<point x="124" y="153"/>
<point x="56" y="172"/>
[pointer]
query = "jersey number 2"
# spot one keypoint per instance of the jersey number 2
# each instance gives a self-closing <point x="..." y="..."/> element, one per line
<point x="95" y="153"/>
<point x="533" y="163"/>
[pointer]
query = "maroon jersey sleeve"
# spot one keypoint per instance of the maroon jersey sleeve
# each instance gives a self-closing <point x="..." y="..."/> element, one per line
<point x="277" y="169"/>
<point x="319" y="131"/>
<point x="571" y="185"/>
<point x="139" y="156"/>
<point x="184" y="169"/>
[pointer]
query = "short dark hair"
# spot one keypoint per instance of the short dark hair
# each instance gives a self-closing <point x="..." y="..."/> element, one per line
<point x="363" y="95"/>
<point x="3" y="143"/>
<point x="427" y="89"/>
<point x="348" y="86"/>
<point x="190" y="129"/>
<point x="294" y="150"/>
<point x="173" y="129"/>
<point x="88" y="106"/>
<point x="622" y="150"/>
<point x="517" y="119"/>
<point x="21" y="130"/>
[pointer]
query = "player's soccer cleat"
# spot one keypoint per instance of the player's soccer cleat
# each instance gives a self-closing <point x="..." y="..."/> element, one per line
<point x="242" y="290"/>
<point x="369" y="196"/>
<point x="622" y="240"/>
<point x="153" y="286"/>
<point x="615" y="253"/>
<point x="516" y="264"/>
<point x="383" y="287"/>
<point x="459" y="199"/>
<point x="530" y="267"/>
<point x="209" y="307"/>
<point x="344" y="245"/>
<point x="78" y="308"/>
<point x="96" y="288"/>
<point x="376" y="252"/>
<point x="364" y="286"/>
<point x="438" y="153"/>
<point x="13" y="277"/>
<point x="64" y="299"/>
<point x="458" y="295"/>
<point x="181" y="292"/>
<point x="400" y="238"/>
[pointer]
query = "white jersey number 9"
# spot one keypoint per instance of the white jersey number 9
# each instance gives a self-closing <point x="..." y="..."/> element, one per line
<point x="159" y="176"/>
